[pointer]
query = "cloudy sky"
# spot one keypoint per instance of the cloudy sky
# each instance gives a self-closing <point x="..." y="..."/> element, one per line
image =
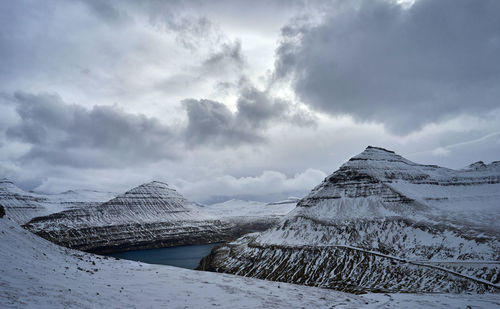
<point x="247" y="99"/>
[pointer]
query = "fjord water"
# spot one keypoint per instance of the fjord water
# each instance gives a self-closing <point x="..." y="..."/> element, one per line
<point x="181" y="256"/>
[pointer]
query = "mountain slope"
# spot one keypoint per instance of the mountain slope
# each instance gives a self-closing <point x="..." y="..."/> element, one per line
<point x="22" y="206"/>
<point x="382" y="223"/>
<point x="148" y="216"/>
<point x="35" y="273"/>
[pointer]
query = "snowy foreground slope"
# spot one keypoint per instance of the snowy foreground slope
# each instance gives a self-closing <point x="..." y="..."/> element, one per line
<point x="382" y="223"/>
<point x="35" y="273"/>
<point x="150" y="215"/>
<point x="22" y="206"/>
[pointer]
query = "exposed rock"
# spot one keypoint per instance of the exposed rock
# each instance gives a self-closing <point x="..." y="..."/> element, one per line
<point x="382" y="223"/>
<point x="2" y="211"/>
<point x="148" y="216"/>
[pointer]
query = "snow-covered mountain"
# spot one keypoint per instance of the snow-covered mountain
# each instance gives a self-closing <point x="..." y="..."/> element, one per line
<point x="250" y="216"/>
<point x="383" y="223"/>
<point x="22" y="206"/>
<point x="35" y="273"/>
<point x="150" y="215"/>
<point x="240" y="210"/>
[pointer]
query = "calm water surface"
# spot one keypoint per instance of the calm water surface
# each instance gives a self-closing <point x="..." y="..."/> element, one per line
<point x="181" y="256"/>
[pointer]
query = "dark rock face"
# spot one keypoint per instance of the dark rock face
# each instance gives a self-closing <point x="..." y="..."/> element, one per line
<point x="382" y="223"/>
<point x="2" y="211"/>
<point x="151" y="215"/>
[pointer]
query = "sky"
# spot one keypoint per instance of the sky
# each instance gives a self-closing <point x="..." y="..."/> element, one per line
<point x="255" y="100"/>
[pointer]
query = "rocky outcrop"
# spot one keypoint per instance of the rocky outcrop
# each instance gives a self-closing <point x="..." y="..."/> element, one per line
<point x="382" y="223"/>
<point x="148" y="216"/>
<point x="2" y="211"/>
<point x="22" y="206"/>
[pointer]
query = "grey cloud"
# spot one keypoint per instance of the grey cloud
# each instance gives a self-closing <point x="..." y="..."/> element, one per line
<point x="107" y="11"/>
<point x="229" y="55"/>
<point x="191" y="31"/>
<point x="211" y="122"/>
<point x="64" y="134"/>
<point x="379" y="62"/>
<point x="223" y="67"/>
<point x="260" y="109"/>
<point x="256" y="108"/>
<point x="169" y="16"/>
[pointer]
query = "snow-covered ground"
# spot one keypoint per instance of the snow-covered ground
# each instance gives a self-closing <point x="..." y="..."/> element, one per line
<point x="35" y="273"/>
<point x="249" y="210"/>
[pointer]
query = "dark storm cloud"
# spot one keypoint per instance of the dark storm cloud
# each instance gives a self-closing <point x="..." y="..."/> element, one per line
<point x="211" y="122"/>
<point x="64" y="134"/>
<point x="377" y="61"/>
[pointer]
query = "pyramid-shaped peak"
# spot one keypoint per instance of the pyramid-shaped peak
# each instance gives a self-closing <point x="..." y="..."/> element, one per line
<point x="152" y="187"/>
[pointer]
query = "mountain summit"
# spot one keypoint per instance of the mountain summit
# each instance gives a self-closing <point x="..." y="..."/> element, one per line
<point x="382" y="223"/>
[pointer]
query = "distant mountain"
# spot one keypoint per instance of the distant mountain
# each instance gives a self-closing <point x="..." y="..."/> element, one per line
<point x="150" y="215"/>
<point x="198" y="204"/>
<point x="22" y="206"/>
<point x="251" y="216"/>
<point x="382" y="223"/>
<point x="250" y="210"/>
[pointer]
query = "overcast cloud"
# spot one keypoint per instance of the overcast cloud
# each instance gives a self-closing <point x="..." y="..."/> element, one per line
<point x="104" y="136"/>
<point x="404" y="67"/>
<point x="237" y="99"/>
